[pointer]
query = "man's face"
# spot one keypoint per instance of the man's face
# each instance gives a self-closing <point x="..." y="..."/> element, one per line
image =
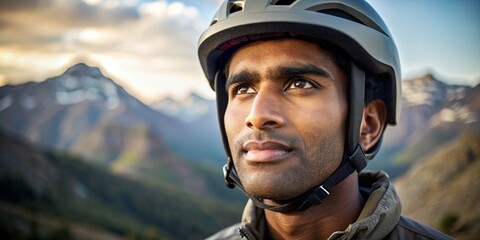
<point x="285" y="120"/>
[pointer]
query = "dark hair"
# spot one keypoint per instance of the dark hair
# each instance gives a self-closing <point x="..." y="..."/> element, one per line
<point x="373" y="89"/>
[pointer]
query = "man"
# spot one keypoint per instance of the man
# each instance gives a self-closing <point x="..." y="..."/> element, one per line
<point x="304" y="91"/>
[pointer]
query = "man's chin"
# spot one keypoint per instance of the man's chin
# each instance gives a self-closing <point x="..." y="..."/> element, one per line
<point x="277" y="193"/>
<point x="274" y="185"/>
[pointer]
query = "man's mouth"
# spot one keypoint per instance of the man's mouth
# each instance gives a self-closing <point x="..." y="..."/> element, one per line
<point x="265" y="151"/>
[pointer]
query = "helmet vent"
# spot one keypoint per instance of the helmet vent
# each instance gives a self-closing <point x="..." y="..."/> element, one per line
<point x="341" y="14"/>
<point x="235" y="6"/>
<point x="282" y="2"/>
<point x="358" y="18"/>
<point x="213" y="22"/>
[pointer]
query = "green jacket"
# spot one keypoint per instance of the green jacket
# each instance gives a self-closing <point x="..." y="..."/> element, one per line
<point x="380" y="218"/>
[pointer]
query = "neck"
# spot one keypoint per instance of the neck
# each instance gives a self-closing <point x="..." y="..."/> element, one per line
<point x="335" y="213"/>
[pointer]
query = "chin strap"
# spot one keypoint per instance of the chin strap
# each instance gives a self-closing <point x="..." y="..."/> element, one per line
<point x="354" y="158"/>
<point x="312" y="197"/>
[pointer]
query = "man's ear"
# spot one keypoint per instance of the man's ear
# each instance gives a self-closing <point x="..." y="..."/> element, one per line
<point x="373" y="124"/>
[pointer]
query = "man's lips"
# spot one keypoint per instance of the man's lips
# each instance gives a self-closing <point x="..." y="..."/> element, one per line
<point x="265" y="151"/>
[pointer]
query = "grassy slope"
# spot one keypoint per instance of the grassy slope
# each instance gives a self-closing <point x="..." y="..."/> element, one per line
<point x="447" y="180"/>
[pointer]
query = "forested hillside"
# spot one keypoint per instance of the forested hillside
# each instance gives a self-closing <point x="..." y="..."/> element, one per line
<point x="45" y="195"/>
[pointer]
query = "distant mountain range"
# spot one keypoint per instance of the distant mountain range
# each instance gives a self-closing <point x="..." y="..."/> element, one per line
<point x="85" y="113"/>
<point x="433" y="113"/>
<point x="82" y="109"/>
<point x="79" y="135"/>
<point x="198" y="117"/>
<point x="191" y="109"/>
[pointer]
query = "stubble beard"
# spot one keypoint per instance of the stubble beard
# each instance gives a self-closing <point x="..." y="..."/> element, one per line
<point x="313" y="169"/>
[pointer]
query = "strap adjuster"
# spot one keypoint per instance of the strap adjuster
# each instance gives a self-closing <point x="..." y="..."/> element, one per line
<point x="324" y="190"/>
<point x="315" y="198"/>
<point x="319" y="194"/>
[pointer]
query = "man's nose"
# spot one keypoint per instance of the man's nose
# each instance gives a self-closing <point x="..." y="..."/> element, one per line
<point x="265" y="112"/>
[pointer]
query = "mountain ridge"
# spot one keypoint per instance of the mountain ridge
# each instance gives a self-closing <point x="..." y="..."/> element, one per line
<point x="87" y="114"/>
<point x="188" y="109"/>
<point x="433" y="114"/>
<point x="89" y="106"/>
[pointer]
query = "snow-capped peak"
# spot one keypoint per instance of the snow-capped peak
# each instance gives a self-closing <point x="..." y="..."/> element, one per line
<point x="189" y="109"/>
<point x="84" y="83"/>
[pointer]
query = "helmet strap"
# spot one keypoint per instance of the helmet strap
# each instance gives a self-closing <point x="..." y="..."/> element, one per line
<point x="356" y="156"/>
<point x="222" y="102"/>
<point x="312" y="197"/>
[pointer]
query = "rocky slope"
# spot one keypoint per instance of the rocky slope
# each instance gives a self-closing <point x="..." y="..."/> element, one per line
<point x="443" y="188"/>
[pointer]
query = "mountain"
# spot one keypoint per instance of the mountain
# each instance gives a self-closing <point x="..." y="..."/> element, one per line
<point x="189" y="109"/>
<point x="55" y="113"/>
<point x="433" y="113"/>
<point x="84" y="113"/>
<point x="92" y="138"/>
<point x="81" y="109"/>
<point x="45" y="195"/>
<point x="443" y="188"/>
<point x="199" y="118"/>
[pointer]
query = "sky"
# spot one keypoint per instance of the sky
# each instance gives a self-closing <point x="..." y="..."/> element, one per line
<point x="150" y="46"/>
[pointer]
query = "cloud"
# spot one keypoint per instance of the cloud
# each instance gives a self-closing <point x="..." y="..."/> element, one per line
<point x="145" y="45"/>
<point x="67" y="13"/>
<point x="29" y="24"/>
<point x="7" y="5"/>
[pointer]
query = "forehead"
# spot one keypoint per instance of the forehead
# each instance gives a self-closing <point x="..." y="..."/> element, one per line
<point x="258" y="55"/>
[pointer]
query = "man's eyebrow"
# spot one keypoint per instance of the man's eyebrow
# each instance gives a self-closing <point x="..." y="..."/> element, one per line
<point x="299" y="69"/>
<point x="278" y="72"/>
<point x="243" y="76"/>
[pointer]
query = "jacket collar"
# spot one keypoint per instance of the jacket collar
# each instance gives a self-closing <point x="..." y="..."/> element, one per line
<point x="381" y="211"/>
<point x="379" y="216"/>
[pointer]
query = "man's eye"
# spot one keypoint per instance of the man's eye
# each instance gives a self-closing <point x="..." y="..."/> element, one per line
<point x="243" y="89"/>
<point x="299" y="83"/>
